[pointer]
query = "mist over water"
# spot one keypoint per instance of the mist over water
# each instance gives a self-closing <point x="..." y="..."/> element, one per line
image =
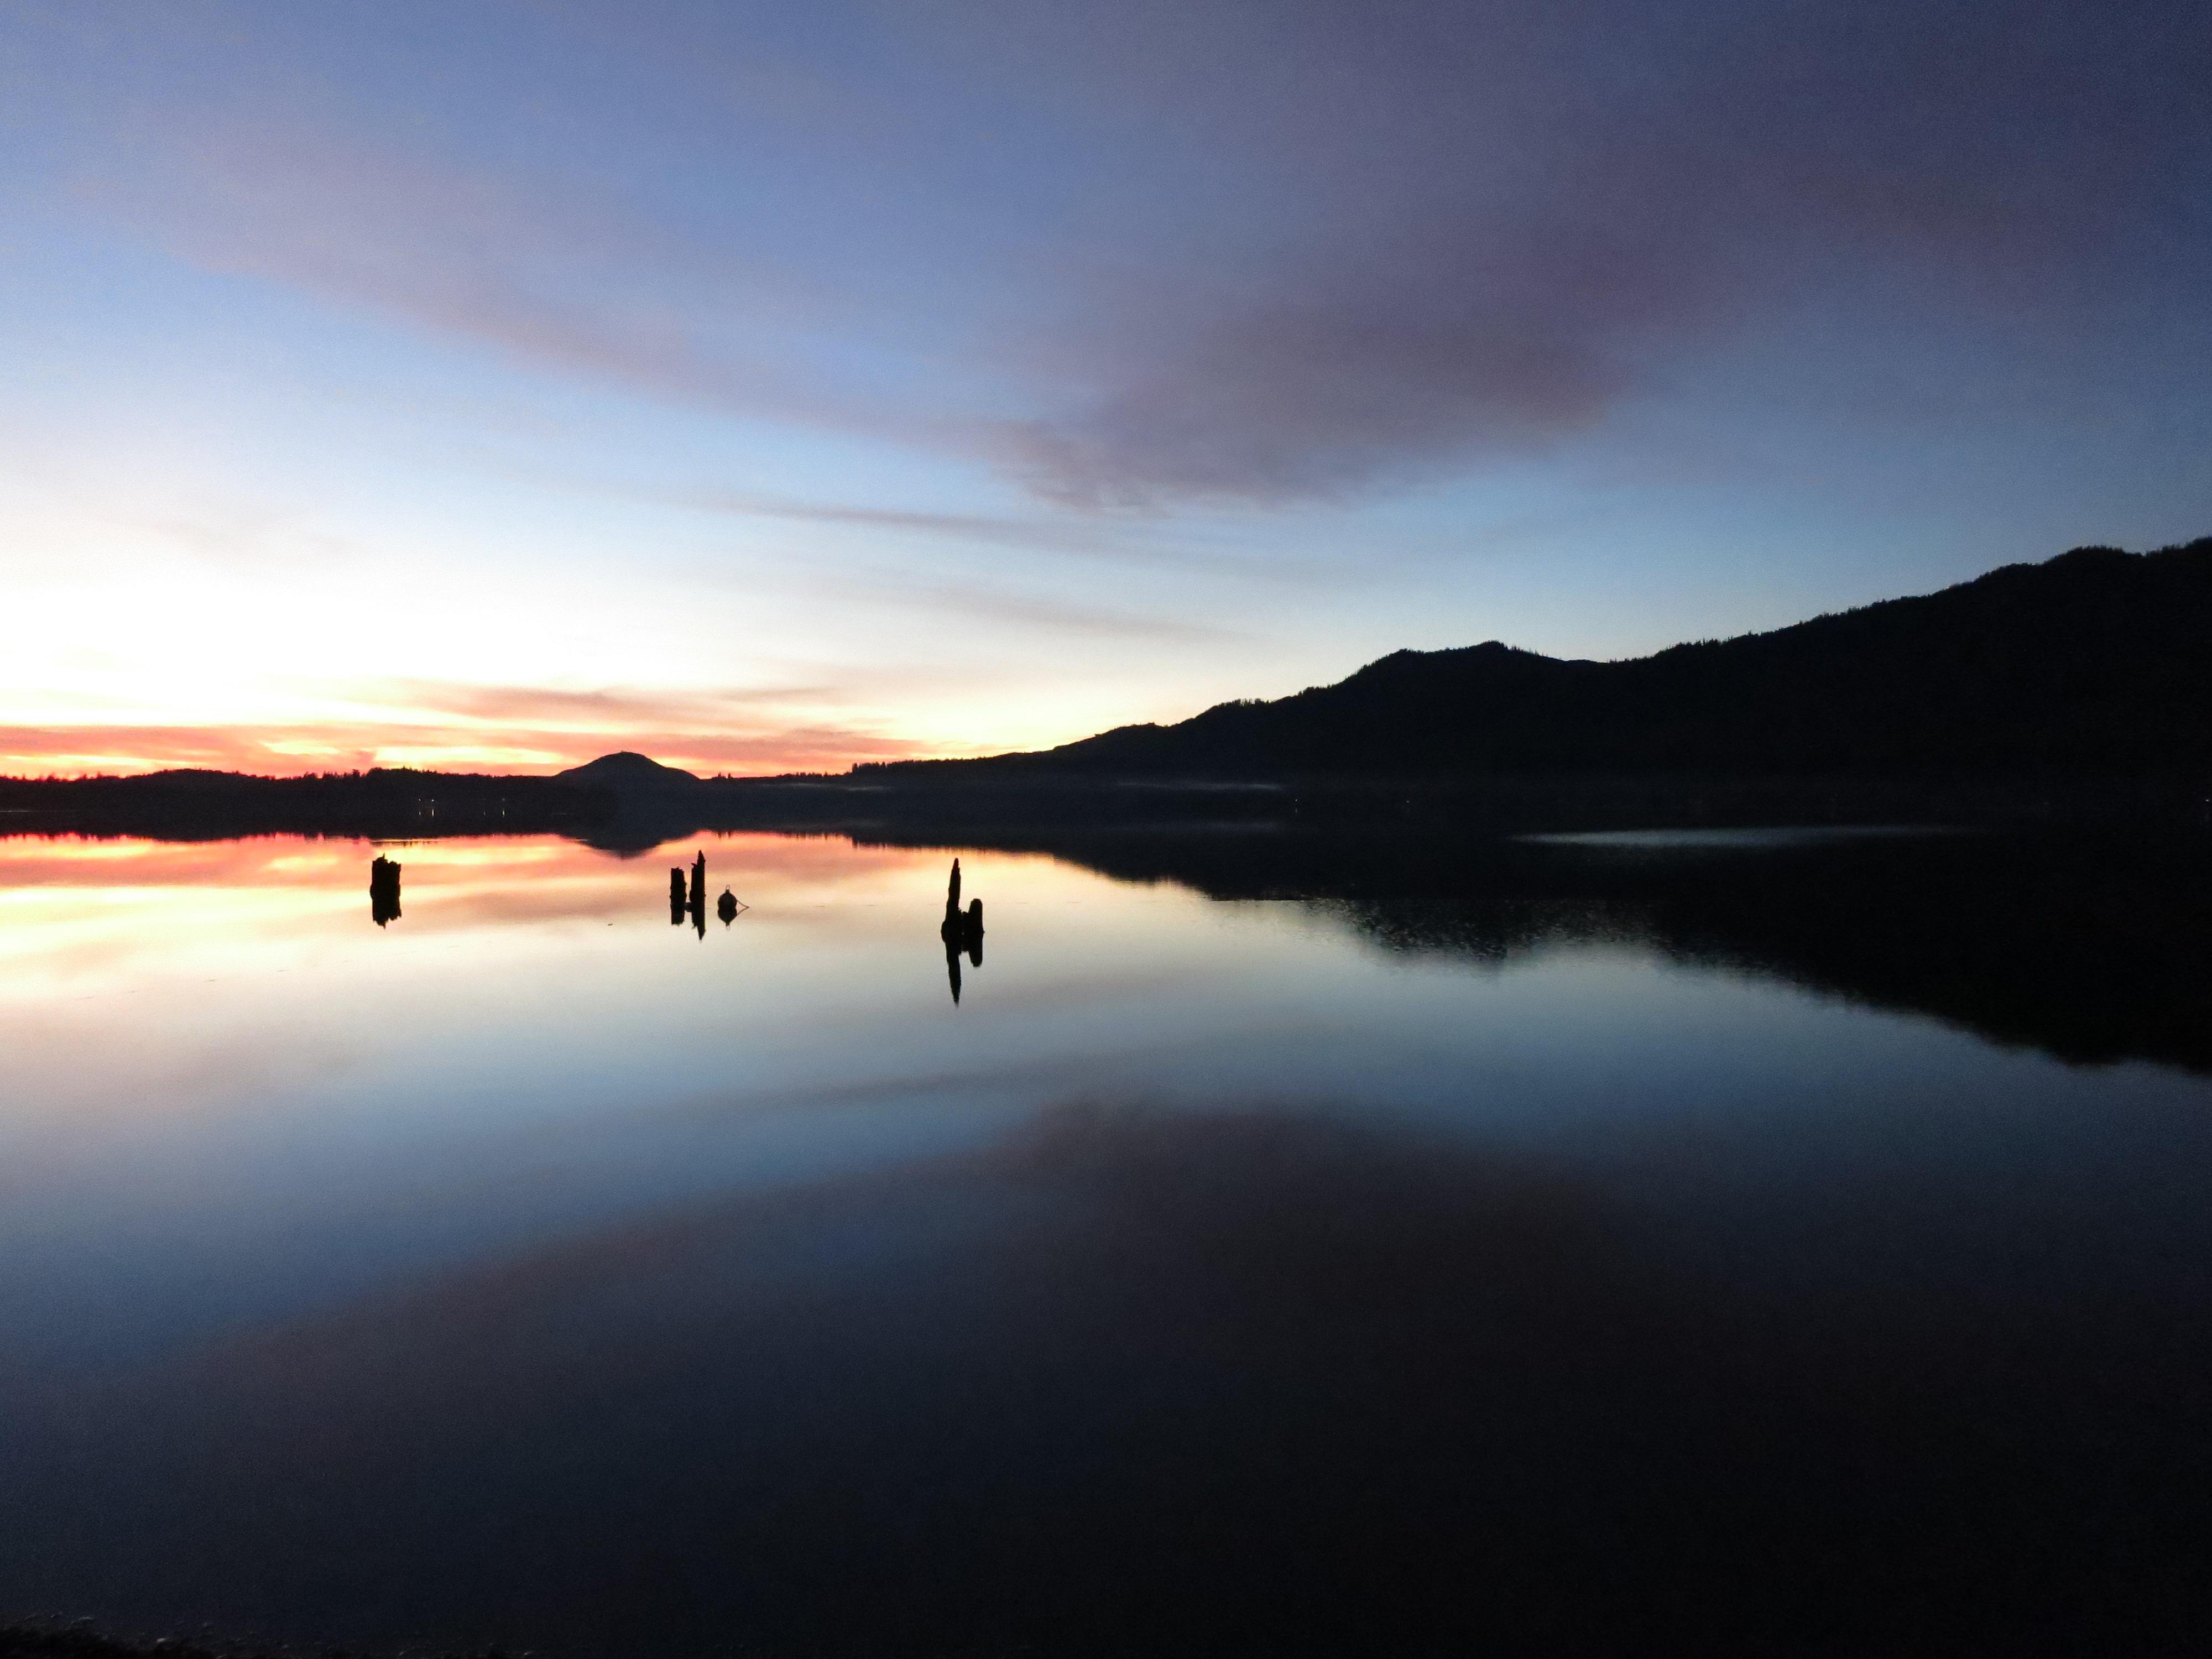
<point x="1269" y="1241"/>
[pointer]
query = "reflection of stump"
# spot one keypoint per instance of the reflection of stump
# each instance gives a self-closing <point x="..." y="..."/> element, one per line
<point x="383" y="891"/>
<point x="676" y="902"/>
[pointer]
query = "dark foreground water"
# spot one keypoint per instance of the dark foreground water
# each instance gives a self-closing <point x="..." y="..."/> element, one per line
<point x="1762" y="1243"/>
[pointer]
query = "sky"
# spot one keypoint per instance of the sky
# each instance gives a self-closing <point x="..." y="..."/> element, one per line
<point x="491" y="384"/>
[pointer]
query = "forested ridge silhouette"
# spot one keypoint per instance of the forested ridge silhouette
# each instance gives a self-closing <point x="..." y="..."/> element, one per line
<point x="2093" y="662"/>
<point x="2081" y="686"/>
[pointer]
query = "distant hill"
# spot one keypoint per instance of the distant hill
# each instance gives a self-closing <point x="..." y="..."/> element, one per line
<point x="627" y="769"/>
<point x="2096" y="662"/>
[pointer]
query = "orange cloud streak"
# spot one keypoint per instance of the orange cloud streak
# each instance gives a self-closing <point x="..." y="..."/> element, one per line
<point x="340" y="746"/>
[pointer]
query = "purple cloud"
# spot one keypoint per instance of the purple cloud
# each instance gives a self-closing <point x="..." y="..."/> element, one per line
<point x="1491" y="247"/>
<point x="1156" y="254"/>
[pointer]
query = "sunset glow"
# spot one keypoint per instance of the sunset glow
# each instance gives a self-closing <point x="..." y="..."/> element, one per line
<point x="770" y="388"/>
<point x="1113" y="829"/>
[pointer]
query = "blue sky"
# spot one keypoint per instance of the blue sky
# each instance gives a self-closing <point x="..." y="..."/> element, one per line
<point x="766" y="386"/>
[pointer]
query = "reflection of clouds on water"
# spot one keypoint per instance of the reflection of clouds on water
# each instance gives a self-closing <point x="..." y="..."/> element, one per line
<point x="1126" y="1380"/>
<point x="257" y="889"/>
<point x="27" y="861"/>
<point x="513" y="1259"/>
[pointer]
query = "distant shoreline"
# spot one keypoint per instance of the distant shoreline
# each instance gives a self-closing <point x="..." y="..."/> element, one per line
<point x="402" y="806"/>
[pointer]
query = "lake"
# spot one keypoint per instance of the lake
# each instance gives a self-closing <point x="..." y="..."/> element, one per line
<point x="1337" y="1241"/>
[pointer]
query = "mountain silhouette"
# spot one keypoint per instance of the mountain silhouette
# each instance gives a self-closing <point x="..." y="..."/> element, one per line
<point x="2080" y="686"/>
<point x="627" y="769"/>
<point x="2094" y="662"/>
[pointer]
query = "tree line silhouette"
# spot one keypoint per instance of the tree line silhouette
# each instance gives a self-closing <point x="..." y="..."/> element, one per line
<point x="383" y="803"/>
<point x="2093" y="663"/>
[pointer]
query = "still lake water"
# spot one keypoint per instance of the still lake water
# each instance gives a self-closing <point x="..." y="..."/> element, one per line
<point x="1275" y="1247"/>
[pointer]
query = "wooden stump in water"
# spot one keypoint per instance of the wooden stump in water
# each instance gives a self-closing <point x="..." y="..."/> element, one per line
<point x="961" y="930"/>
<point x="383" y="891"/>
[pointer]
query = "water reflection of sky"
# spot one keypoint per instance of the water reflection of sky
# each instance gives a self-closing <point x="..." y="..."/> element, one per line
<point x="237" y="1114"/>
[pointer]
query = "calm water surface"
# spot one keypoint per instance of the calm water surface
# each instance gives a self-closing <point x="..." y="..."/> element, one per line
<point x="1276" y="1246"/>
